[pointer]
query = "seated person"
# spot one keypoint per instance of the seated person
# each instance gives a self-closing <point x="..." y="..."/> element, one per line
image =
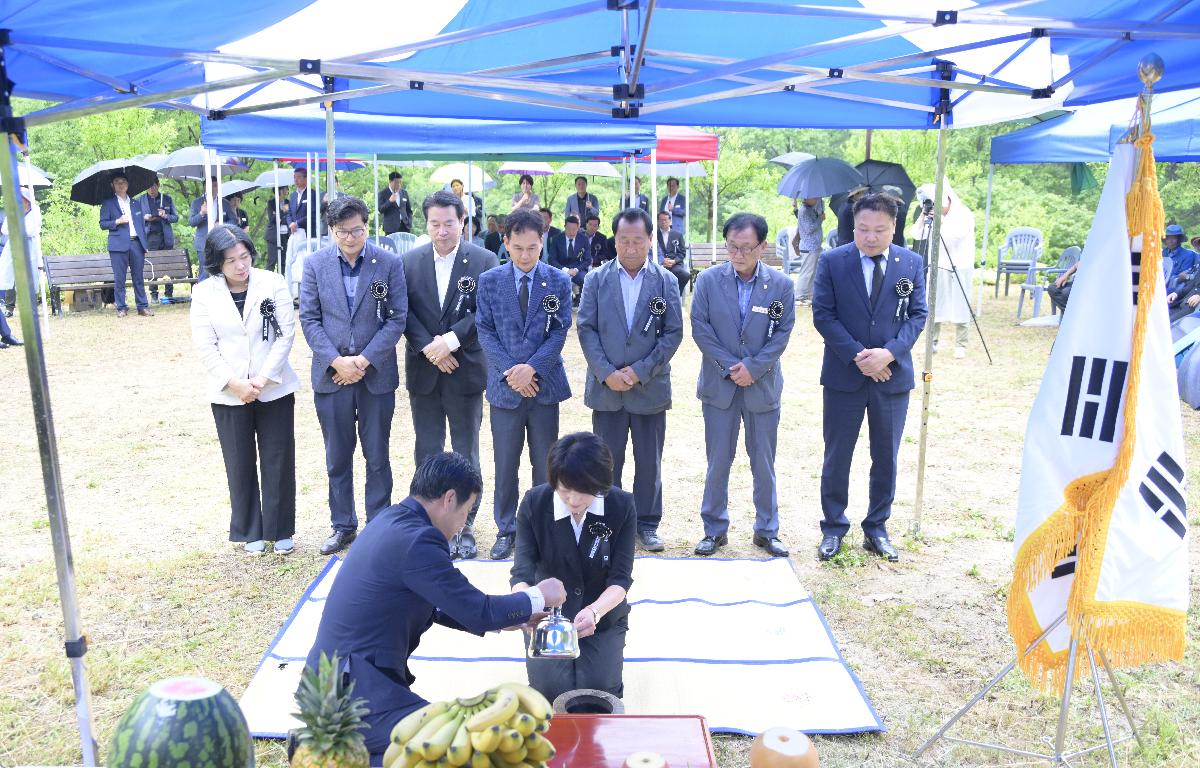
<point x="670" y="250"/>
<point x="597" y="241"/>
<point x="1183" y="260"/>
<point x="493" y="241"/>
<point x="398" y="579"/>
<point x="1184" y="298"/>
<point x="1060" y="290"/>
<point x="580" y="529"/>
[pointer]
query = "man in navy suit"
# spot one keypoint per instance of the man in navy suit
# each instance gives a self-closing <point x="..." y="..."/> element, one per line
<point x="121" y="216"/>
<point x="445" y="370"/>
<point x="353" y="309"/>
<point x="158" y="213"/>
<point x="524" y="314"/>
<point x="639" y="200"/>
<point x="672" y="253"/>
<point x="869" y="306"/>
<point x="198" y="218"/>
<point x="302" y="200"/>
<point x="398" y="581"/>
<point x="674" y="204"/>
<point x="570" y="252"/>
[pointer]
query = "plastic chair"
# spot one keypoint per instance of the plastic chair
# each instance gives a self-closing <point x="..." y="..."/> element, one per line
<point x="405" y="241"/>
<point x="1021" y="251"/>
<point x="383" y="241"/>
<point x="1037" y="280"/>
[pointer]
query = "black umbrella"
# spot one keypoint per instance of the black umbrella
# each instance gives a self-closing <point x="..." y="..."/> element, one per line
<point x="93" y="185"/>
<point x="819" y="177"/>
<point x="880" y="174"/>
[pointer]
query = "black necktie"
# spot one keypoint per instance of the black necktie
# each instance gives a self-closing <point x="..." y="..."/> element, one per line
<point x="523" y="296"/>
<point x="876" y="279"/>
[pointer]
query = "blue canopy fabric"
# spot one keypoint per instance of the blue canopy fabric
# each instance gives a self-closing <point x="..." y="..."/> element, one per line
<point x="1089" y="134"/>
<point x="398" y="138"/>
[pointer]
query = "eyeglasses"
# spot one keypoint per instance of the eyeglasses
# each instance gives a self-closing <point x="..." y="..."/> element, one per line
<point x="746" y="250"/>
<point x="345" y="234"/>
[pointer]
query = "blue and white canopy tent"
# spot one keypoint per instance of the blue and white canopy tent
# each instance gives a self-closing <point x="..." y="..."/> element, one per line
<point x="768" y="63"/>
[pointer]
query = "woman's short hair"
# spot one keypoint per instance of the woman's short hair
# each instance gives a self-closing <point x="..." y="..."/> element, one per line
<point x="877" y="201"/>
<point x="344" y="208"/>
<point x="444" y="199"/>
<point x="523" y="220"/>
<point x="221" y="238"/>
<point x="580" y="462"/>
<point x="524" y="178"/>
<point x="441" y="472"/>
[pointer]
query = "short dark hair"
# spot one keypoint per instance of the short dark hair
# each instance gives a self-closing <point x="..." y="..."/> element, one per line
<point x="302" y="171"/>
<point x="523" y="220"/>
<point x="525" y="177"/>
<point x="117" y="175"/>
<point x="395" y="175"/>
<point x="634" y="216"/>
<point x="345" y="207"/>
<point x="739" y="221"/>
<point x="448" y="471"/>
<point x="672" y="178"/>
<point x="546" y="211"/>
<point x="221" y="238"/>
<point x="662" y="213"/>
<point x="592" y="217"/>
<point x="877" y="201"/>
<point x="571" y="219"/>
<point x="580" y="462"/>
<point x="444" y="199"/>
<point x="581" y="178"/>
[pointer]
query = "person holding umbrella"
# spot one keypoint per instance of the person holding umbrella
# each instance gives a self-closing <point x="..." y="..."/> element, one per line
<point x="158" y="212"/>
<point x="198" y="218"/>
<point x="127" y="244"/>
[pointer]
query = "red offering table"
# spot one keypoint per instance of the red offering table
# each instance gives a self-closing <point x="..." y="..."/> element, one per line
<point x="604" y="741"/>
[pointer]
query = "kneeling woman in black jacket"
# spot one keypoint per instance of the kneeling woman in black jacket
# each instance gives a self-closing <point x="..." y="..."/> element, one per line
<point x="580" y="529"/>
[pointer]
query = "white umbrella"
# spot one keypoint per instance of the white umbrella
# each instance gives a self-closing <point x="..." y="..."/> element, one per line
<point x="448" y="173"/>
<point x="33" y="177"/>
<point x="520" y="167"/>
<point x="789" y="159"/>
<point x="589" y="168"/>
<point x="188" y="163"/>
<point x="153" y="160"/>
<point x="693" y="170"/>
<point x="278" y="177"/>
<point x="237" y="186"/>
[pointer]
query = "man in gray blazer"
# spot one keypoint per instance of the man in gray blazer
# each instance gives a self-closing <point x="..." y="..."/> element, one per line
<point x="353" y="308"/>
<point x="630" y="326"/>
<point x="742" y="317"/>
<point x="445" y="370"/>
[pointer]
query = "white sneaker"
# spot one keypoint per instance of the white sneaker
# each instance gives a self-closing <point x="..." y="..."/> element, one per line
<point x="254" y="547"/>
<point x="284" y="547"/>
<point x="959" y="353"/>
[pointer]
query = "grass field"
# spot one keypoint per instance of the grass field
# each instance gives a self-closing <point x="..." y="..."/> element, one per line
<point x="162" y="592"/>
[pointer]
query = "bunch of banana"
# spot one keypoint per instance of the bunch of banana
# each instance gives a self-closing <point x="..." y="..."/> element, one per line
<point x="500" y="728"/>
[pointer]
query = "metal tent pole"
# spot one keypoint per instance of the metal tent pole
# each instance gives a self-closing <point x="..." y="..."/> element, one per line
<point x="208" y="200"/>
<point x="317" y="194"/>
<point x="987" y="221"/>
<point x="935" y="235"/>
<point x="375" y="188"/>
<point x="39" y="388"/>
<point x="220" y="199"/>
<point x="654" y="193"/>
<point x="687" y="201"/>
<point x="38" y="268"/>
<point x="310" y="215"/>
<point x="331" y="185"/>
<point x="279" y="255"/>
<point x="716" y="168"/>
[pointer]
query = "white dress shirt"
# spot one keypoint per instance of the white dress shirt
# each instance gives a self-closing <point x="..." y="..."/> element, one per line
<point x="126" y="211"/>
<point x="561" y="510"/>
<point x="442" y="267"/>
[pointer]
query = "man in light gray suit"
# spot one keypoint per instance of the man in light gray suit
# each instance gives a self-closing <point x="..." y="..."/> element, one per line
<point x="742" y="317"/>
<point x="630" y="326"/>
<point x="353" y="309"/>
<point x="445" y="369"/>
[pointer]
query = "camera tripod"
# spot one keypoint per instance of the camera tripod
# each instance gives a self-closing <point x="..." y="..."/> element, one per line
<point x="923" y="249"/>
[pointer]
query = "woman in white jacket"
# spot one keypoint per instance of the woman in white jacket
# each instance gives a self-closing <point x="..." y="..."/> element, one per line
<point x="243" y="327"/>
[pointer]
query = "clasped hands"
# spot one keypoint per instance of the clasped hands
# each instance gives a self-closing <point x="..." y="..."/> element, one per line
<point x="739" y="374"/>
<point x="438" y="352"/>
<point x="874" y="363"/>
<point x="622" y="380"/>
<point x="522" y="377"/>
<point x="349" y="370"/>
<point x="247" y="390"/>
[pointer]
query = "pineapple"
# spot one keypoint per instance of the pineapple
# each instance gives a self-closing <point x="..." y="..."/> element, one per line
<point x="332" y="718"/>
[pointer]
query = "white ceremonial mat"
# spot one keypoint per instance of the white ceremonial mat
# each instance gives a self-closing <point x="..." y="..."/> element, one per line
<point x="740" y="642"/>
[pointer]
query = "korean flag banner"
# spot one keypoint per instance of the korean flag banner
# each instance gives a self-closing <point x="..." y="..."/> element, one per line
<point x="1101" y="528"/>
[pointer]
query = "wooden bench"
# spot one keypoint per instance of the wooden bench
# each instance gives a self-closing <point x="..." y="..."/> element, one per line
<point x="93" y="271"/>
<point x="702" y="256"/>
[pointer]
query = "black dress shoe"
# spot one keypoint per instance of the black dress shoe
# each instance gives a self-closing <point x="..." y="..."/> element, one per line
<point x="829" y="547"/>
<point x="772" y="545"/>
<point x="454" y="546"/>
<point x="880" y="545"/>
<point x="10" y="341"/>
<point x="467" y="548"/>
<point x="3" y="345"/>
<point x="503" y="547"/>
<point x="710" y="544"/>
<point x="650" y="541"/>
<point x="338" y="541"/>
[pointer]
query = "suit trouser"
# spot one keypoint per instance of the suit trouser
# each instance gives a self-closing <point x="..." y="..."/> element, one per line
<point x="338" y="412"/>
<point x="274" y="249"/>
<point x="721" y="427"/>
<point x="682" y="275"/>
<point x="843" y="419"/>
<point x="158" y="243"/>
<point x="600" y="666"/>
<point x="431" y="413"/>
<point x="511" y="427"/>
<point x="962" y="333"/>
<point x="272" y="426"/>
<point x="131" y="260"/>
<point x="5" y="330"/>
<point x="649" y="432"/>
<point x="1059" y="296"/>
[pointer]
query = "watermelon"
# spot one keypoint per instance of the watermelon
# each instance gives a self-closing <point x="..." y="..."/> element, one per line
<point x="182" y="722"/>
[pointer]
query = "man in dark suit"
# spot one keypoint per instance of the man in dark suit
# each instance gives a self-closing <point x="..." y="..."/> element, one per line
<point x="671" y="252"/>
<point x="198" y="218"/>
<point x="1184" y="299"/>
<point x="445" y="370"/>
<point x="583" y="203"/>
<point x="597" y="243"/>
<point x="276" y="232"/>
<point x="570" y="252"/>
<point x="674" y="204"/>
<point x="628" y="346"/>
<point x="394" y="205"/>
<point x="524" y="313"/>
<point x="158" y="213"/>
<point x="121" y="215"/>
<point x="551" y="232"/>
<point x="869" y="306"/>
<point x="742" y="317"/>
<point x="639" y="200"/>
<point x="302" y="200"/>
<point x="398" y="581"/>
<point x="353" y="309"/>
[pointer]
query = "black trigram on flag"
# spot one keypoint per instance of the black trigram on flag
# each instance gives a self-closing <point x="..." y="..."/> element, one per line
<point x="1096" y="404"/>
<point x="1162" y="490"/>
<point x="1065" y="567"/>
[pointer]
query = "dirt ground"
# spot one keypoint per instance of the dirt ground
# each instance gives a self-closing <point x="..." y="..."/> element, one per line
<point x="162" y="592"/>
